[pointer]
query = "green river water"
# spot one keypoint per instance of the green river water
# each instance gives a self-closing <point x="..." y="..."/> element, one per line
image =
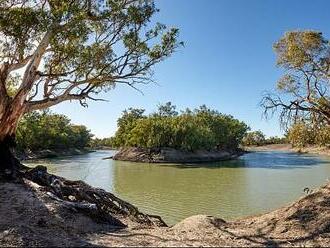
<point x="253" y="184"/>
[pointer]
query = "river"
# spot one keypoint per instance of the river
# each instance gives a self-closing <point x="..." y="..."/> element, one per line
<point x="255" y="183"/>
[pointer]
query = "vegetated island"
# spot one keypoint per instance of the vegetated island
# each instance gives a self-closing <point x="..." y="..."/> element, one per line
<point x="165" y="136"/>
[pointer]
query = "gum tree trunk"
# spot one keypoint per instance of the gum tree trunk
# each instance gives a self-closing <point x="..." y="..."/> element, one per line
<point x="9" y="164"/>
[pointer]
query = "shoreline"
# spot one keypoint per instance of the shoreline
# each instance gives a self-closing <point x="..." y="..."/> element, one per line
<point x="171" y="155"/>
<point x="51" y="153"/>
<point x="323" y="151"/>
<point x="32" y="217"/>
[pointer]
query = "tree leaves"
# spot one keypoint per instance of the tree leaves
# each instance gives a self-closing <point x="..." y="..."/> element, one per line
<point x="44" y="130"/>
<point x="201" y="128"/>
<point x="303" y="91"/>
<point x="92" y="46"/>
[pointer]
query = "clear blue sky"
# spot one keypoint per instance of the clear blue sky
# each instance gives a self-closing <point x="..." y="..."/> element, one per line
<point x="227" y="61"/>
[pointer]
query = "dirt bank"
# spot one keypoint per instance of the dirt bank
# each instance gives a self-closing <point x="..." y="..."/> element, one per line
<point x="170" y="155"/>
<point x="287" y="147"/>
<point x="29" y="217"/>
<point x="51" y="153"/>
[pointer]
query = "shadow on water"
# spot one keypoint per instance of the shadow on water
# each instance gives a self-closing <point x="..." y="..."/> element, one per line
<point x="264" y="160"/>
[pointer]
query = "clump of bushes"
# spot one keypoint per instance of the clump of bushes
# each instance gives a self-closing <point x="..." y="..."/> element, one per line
<point x="190" y="130"/>
<point x="97" y="143"/>
<point x="302" y="134"/>
<point x="257" y="138"/>
<point x="44" y="130"/>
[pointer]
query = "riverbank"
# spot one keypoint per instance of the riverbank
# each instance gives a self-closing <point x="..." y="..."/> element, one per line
<point x="288" y="147"/>
<point x="52" y="153"/>
<point x="30" y="217"/>
<point x="170" y="155"/>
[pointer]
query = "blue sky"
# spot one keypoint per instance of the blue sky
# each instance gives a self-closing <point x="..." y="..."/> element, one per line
<point x="227" y="62"/>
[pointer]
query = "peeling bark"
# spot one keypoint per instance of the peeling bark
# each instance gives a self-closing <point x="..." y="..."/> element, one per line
<point x="9" y="164"/>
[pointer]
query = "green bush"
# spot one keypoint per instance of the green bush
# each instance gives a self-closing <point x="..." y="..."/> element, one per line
<point x="322" y="137"/>
<point x="191" y="130"/>
<point x="256" y="138"/>
<point x="44" y="130"/>
<point x="302" y="134"/>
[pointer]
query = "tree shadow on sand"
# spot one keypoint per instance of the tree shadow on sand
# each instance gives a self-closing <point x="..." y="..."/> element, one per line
<point x="27" y="221"/>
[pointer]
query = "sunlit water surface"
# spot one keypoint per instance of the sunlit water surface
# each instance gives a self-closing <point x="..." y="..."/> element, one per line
<point x="253" y="184"/>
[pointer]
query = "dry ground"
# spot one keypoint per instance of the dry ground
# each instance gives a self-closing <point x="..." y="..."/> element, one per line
<point x="287" y="147"/>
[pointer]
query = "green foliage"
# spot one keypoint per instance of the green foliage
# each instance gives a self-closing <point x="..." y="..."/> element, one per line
<point x="322" y="137"/>
<point x="191" y="130"/>
<point x="276" y="140"/>
<point x="301" y="93"/>
<point x="166" y="109"/>
<point x="97" y="143"/>
<point x="87" y="46"/>
<point x="302" y="134"/>
<point x="256" y="138"/>
<point x="126" y="123"/>
<point x="44" y="130"/>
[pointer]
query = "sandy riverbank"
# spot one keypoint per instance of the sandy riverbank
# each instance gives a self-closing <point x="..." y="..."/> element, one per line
<point x="287" y="147"/>
<point x="52" y="153"/>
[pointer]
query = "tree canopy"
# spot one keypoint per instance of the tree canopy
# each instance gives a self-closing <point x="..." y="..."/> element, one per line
<point x="303" y="134"/>
<point x="190" y="130"/>
<point x="53" y="51"/>
<point x="254" y="138"/>
<point x="303" y="90"/>
<point x="45" y="130"/>
<point x="258" y="138"/>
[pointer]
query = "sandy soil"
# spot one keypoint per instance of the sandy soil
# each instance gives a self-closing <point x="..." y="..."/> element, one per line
<point x="287" y="147"/>
<point x="29" y="217"/>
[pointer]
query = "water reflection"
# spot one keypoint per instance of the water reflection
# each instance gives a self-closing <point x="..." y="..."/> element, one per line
<point x="269" y="160"/>
<point x="177" y="193"/>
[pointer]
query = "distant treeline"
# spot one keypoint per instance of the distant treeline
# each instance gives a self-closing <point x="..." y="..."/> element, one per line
<point x="190" y="130"/>
<point x="45" y="130"/>
<point x="257" y="138"/>
<point x="300" y="134"/>
<point x="98" y="143"/>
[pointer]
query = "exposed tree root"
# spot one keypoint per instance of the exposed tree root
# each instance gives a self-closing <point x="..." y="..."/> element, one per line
<point x="102" y="206"/>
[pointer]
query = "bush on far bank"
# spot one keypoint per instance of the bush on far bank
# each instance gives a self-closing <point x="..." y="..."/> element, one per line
<point x="258" y="138"/>
<point x="41" y="130"/>
<point x="302" y="134"/>
<point x="190" y="130"/>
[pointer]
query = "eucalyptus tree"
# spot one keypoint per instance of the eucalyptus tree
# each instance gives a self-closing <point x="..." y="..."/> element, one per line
<point x="53" y="51"/>
<point x="166" y="110"/>
<point x="202" y="128"/>
<point x="254" y="138"/>
<point x="303" y="90"/>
